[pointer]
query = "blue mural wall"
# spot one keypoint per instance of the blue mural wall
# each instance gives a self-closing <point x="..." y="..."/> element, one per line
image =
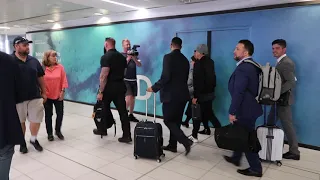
<point x="80" y="51"/>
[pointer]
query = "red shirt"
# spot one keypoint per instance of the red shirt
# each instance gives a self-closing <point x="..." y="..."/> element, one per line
<point x="55" y="79"/>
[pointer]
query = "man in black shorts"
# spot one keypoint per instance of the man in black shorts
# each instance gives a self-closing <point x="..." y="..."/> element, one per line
<point x="112" y="87"/>
<point x="130" y="78"/>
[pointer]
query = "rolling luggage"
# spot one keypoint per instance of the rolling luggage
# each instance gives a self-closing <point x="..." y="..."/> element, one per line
<point x="148" y="139"/>
<point x="272" y="140"/>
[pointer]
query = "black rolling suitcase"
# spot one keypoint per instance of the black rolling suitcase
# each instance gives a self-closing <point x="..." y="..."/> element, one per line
<point x="148" y="139"/>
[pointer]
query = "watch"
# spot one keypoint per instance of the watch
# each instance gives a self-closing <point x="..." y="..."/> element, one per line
<point x="100" y="92"/>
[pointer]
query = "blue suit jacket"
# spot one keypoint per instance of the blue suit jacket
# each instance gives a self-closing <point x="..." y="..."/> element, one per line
<point x="243" y="88"/>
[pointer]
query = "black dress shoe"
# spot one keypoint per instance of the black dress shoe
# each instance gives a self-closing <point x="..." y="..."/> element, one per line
<point x="232" y="161"/>
<point x="50" y="137"/>
<point x="125" y="139"/>
<point x="100" y="133"/>
<point x="60" y="136"/>
<point x="188" y="147"/>
<point x="289" y="155"/>
<point x="170" y="148"/>
<point x="249" y="172"/>
<point x="23" y="149"/>
<point x="205" y="132"/>
<point x="186" y="124"/>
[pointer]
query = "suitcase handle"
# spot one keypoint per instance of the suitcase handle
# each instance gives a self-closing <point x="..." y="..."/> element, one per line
<point x="265" y="114"/>
<point x="154" y="108"/>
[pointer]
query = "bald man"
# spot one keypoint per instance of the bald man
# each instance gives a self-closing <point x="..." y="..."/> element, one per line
<point x="112" y="87"/>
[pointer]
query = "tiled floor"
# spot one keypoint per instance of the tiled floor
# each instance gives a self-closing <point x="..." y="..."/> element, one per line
<point x="83" y="156"/>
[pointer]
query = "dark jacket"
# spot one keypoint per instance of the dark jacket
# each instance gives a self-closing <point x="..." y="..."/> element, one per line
<point x="10" y="94"/>
<point x="173" y="81"/>
<point x="242" y="83"/>
<point x="204" y="78"/>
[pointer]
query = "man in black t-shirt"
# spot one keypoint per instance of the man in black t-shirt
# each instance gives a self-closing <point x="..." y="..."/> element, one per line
<point x="31" y="106"/>
<point x="130" y="78"/>
<point x="112" y="87"/>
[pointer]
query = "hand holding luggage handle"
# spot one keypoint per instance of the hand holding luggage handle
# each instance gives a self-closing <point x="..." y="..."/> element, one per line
<point x="154" y="108"/>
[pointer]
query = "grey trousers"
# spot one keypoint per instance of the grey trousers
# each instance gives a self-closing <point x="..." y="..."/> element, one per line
<point x="6" y="154"/>
<point x="284" y="113"/>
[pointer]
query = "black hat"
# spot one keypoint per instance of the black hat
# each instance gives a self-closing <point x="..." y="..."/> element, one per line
<point x="20" y="39"/>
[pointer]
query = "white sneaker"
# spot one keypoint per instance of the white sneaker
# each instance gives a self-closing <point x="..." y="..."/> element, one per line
<point x="195" y="140"/>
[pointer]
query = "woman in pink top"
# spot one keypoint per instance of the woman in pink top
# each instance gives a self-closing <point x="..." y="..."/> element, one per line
<point x="56" y="82"/>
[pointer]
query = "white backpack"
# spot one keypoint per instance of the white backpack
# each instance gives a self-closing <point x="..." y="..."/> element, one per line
<point x="269" y="84"/>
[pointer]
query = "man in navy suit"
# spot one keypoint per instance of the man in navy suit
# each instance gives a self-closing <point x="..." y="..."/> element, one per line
<point x="244" y="109"/>
<point x="174" y="94"/>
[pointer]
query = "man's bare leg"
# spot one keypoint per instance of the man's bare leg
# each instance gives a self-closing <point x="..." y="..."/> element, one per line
<point x="34" y="129"/>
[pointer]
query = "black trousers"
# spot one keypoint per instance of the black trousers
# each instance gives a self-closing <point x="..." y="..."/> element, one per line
<point x="207" y="115"/>
<point x="48" y="106"/>
<point x="172" y="114"/>
<point x="116" y="93"/>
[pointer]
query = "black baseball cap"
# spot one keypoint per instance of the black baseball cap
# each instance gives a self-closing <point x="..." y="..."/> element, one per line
<point x="20" y="39"/>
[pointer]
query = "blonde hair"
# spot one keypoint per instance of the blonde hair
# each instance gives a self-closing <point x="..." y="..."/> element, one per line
<point x="45" y="59"/>
<point x="125" y="40"/>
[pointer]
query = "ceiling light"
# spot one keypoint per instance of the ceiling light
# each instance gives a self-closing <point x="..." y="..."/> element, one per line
<point x="56" y="26"/>
<point x="98" y="14"/>
<point x="3" y="27"/>
<point x="122" y="4"/>
<point x="51" y="21"/>
<point x="103" y="20"/>
<point x="16" y="26"/>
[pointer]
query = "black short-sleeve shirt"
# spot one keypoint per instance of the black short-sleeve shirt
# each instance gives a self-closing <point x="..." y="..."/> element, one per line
<point x="30" y="71"/>
<point x="131" y="73"/>
<point x="117" y="64"/>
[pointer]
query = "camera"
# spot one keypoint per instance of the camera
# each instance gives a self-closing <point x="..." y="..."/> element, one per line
<point x="133" y="51"/>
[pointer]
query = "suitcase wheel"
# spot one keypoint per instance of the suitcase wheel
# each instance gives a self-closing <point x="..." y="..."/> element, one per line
<point x="279" y="163"/>
<point x="135" y="157"/>
<point x="159" y="160"/>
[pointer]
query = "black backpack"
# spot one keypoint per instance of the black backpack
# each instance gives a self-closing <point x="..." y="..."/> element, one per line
<point x="103" y="117"/>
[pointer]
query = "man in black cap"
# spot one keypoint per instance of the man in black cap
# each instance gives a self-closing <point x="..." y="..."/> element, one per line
<point x="204" y="83"/>
<point x="31" y="107"/>
<point x="10" y="128"/>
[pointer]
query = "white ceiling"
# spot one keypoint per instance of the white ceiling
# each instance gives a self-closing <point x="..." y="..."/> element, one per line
<point x="28" y="15"/>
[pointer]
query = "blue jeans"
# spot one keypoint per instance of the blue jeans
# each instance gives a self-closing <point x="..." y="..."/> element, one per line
<point x="6" y="155"/>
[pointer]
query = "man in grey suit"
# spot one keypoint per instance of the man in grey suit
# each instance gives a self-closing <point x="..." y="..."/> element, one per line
<point x="286" y="69"/>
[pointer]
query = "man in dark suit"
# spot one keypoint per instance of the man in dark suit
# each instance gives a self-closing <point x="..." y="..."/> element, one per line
<point x="244" y="109"/>
<point x="286" y="69"/>
<point x="10" y="128"/>
<point x="174" y="94"/>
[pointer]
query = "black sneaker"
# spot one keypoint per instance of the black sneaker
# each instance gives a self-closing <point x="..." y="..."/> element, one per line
<point x="37" y="146"/>
<point x="50" y="137"/>
<point x="23" y="149"/>
<point x="132" y="118"/>
<point x="125" y="139"/>
<point x="60" y="136"/>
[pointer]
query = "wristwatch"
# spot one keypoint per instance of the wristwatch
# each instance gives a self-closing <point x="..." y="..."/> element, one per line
<point x="100" y="92"/>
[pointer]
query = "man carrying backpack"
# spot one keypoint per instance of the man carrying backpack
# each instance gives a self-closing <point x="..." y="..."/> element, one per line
<point x="243" y="82"/>
<point x="286" y="69"/>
